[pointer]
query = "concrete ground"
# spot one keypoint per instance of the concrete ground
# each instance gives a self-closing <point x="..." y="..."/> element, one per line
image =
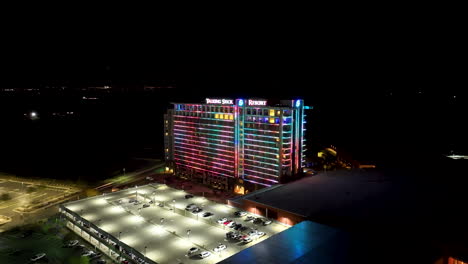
<point x="17" y="191"/>
<point x="163" y="230"/>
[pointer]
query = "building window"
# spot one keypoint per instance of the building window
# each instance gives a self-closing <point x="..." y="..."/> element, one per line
<point x="272" y="113"/>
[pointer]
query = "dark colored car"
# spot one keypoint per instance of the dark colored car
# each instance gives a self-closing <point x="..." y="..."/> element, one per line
<point x="26" y="233"/>
<point x="188" y="196"/>
<point x="258" y="221"/>
<point x="249" y="218"/>
<point x="237" y="226"/>
<point x="206" y="214"/>
<point x="243" y="228"/>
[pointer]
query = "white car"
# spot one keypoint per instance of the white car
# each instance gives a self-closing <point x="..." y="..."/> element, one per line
<point x="38" y="256"/>
<point x="72" y="243"/>
<point x="192" y="250"/>
<point x="231" y="224"/>
<point x="222" y="220"/>
<point x="190" y="207"/>
<point x="247" y="239"/>
<point x="204" y="254"/>
<point x="219" y="248"/>
<point x="267" y="222"/>
<point x="260" y="234"/>
<point x="88" y="253"/>
<point x="253" y="233"/>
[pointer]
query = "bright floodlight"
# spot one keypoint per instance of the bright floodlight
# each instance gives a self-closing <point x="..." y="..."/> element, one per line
<point x="33" y="114"/>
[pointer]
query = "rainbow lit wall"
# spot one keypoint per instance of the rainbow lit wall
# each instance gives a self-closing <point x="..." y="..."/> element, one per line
<point x="225" y="142"/>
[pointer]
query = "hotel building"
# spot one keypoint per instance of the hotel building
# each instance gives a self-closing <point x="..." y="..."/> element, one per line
<point x="242" y="144"/>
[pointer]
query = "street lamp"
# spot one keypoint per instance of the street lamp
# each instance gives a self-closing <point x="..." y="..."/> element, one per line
<point x="119" y="234"/>
<point x="188" y="233"/>
<point x="174" y="204"/>
<point x="145" y="251"/>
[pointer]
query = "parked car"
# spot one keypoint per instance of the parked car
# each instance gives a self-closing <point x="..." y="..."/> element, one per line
<point x="145" y="205"/>
<point x="260" y="234"/>
<point x="258" y="221"/>
<point x="72" y="243"/>
<point x="266" y="222"/>
<point x="253" y="232"/>
<point x="88" y="253"/>
<point x="222" y="220"/>
<point x="231" y="224"/>
<point x="219" y="248"/>
<point x="240" y="213"/>
<point x="192" y="250"/>
<point x="243" y="228"/>
<point x="101" y="261"/>
<point x="38" y="256"/>
<point x="249" y="218"/>
<point x="188" y="196"/>
<point x="237" y="226"/>
<point x="204" y="254"/>
<point x="227" y="222"/>
<point x="26" y="233"/>
<point x="190" y="207"/>
<point x="197" y="210"/>
<point x="247" y="239"/>
<point x="206" y="214"/>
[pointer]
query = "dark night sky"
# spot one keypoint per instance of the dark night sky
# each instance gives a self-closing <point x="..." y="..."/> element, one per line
<point x="347" y="74"/>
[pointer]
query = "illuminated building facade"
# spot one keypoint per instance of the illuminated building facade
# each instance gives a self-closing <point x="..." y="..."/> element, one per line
<point x="241" y="144"/>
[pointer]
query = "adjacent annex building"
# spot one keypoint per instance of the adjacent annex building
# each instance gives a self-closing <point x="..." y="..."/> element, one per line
<point x="242" y="144"/>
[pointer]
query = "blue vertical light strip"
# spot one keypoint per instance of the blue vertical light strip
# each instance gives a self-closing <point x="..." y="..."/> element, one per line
<point x="302" y="136"/>
<point x="237" y="144"/>
<point x="298" y="104"/>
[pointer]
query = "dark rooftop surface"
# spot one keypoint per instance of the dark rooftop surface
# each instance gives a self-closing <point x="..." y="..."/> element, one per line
<point x="415" y="210"/>
<point x="306" y="242"/>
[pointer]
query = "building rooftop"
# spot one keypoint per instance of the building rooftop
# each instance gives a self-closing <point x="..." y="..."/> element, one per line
<point x="161" y="232"/>
<point x="306" y="242"/>
<point x="414" y="211"/>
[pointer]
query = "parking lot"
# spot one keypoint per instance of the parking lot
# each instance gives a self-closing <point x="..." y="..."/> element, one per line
<point x="164" y="231"/>
<point x="22" y="201"/>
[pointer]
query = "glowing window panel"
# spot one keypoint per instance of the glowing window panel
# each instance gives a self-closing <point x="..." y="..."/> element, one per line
<point x="216" y="116"/>
<point x="272" y="112"/>
<point x="272" y="119"/>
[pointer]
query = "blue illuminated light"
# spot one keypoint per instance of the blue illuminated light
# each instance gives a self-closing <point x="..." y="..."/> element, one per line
<point x="241" y="102"/>
<point x="298" y="103"/>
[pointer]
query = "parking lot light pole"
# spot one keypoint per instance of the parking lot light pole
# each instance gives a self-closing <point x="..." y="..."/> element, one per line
<point x="174" y="204"/>
<point x="119" y="234"/>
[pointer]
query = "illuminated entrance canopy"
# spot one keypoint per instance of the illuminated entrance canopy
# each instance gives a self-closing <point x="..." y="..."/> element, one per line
<point x="257" y="102"/>
<point x="219" y="101"/>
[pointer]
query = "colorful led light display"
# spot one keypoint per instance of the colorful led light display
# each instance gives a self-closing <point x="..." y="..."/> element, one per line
<point x="243" y="140"/>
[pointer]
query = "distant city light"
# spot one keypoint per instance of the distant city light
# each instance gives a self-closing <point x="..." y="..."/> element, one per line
<point x="33" y="114"/>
